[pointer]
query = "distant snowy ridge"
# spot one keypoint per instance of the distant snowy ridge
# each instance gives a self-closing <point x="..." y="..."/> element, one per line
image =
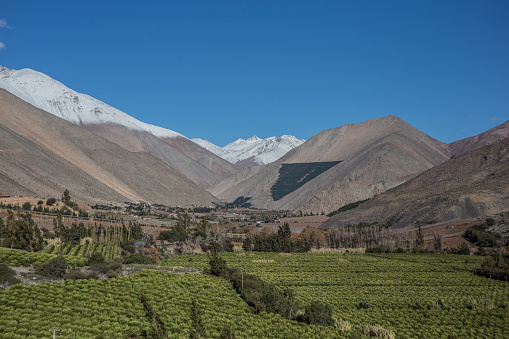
<point x="261" y="151"/>
<point x="54" y="97"/>
<point x="210" y="147"/>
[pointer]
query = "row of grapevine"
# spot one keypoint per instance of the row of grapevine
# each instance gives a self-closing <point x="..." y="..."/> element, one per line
<point x="111" y="251"/>
<point x="22" y="258"/>
<point x="413" y="295"/>
<point x="86" y="309"/>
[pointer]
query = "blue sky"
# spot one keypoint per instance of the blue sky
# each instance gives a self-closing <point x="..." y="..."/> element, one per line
<point x="223" y="70"/>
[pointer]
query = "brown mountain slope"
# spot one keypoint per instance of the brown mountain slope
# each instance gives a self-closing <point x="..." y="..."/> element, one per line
<point x="41" y="155"/>
<point x="375" y="155"/>
<point x="493" y="135"/>
<point x="475" y="184"/>
<point x="190" y="159"/>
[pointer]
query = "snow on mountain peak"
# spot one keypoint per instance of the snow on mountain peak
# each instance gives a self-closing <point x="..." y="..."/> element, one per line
<point x="261" y="151"/>
<point x="54" y="97"/>
<point x="254" y="138"/>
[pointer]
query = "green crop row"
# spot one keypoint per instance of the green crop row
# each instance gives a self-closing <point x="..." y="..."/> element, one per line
<point x="414" y="295"/>
<point x="22" y="258"/>
<point x="86" y="309"/>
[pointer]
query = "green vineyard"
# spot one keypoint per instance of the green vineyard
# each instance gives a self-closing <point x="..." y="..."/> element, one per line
<point x="409" y="295"/>
<point x="76" y="255"/>
<point x="88" y="308"/>
<point x="415" y="296"/>
<point x="22" y="258"/>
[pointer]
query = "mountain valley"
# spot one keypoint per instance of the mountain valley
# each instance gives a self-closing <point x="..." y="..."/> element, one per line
<point x="332" y="169"/>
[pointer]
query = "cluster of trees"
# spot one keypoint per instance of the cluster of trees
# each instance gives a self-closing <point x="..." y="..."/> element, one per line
<point x="481" y="236"/>
<point x="69" y="208"/>
<point x="7" y="275"/>
<point x="282" y="241"/>
<point x="66" y="199"/>
<point x="377" y="238"/>
<point x="99" y="234"/>
<point x="59" y="268"/>
<point x="496" y="266"/>
<point x="462" y="249"/>
<point x="180" y="231"/>
<point x="202" y="233"/>
<point x="265" y="297"/>
<point x="139" y="209"/>
<point x="56" y="268"/>
<point x="20" y="233"/>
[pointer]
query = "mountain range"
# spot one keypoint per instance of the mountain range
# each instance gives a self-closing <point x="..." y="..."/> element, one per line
<point x="336" y="167"/>
<point x="116" y="126"/>
<point x="347" y="164"/>
<point x="253" y="151"/>
<point x="472" y="185"/>
<point x="368" y="158"/>
<point x="198" y="164"/>
<point x="41" y="155"/>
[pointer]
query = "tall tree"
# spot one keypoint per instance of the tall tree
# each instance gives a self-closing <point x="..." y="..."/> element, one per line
<point x="66" y="197"/>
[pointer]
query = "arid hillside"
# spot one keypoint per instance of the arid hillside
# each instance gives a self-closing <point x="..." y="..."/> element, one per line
<point x="371" y="157"/>
<point x="473" y="185"/>
<point x="201" y="166"/>
<point x="41" y="155"/>
<point x="193" y="161"/>
<point x="493" y="135"/>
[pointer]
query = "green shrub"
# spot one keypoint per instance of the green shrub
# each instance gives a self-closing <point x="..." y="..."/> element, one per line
<point x="136" y="259"/>
<point x="129" y="248"/>
<point x="481" y="304"/>
<point x="55" y="269"/>
<point x="96" y="258"/>
<point x="77" y="274"/>
<point x="418" y="306"/>
<point x="318" y="314"/>
<point x="107" y="267"/>
<point x="378" y="249"/>
<point x="479" y="235"/>
<point x="363" y="305"/>
<point x="8" y="275"/>
<point x="438" y="305"/>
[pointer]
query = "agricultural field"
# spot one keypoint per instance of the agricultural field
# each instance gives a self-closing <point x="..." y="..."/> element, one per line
<point x="413" y="295"/>
<point x="75" y="255"/>
<point x="23" y="258"/>
<point x="112" y="308"/>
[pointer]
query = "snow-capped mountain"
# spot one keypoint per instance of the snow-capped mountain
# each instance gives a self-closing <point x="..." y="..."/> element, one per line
<point x="201" y="166"/>
<point x="253" y="151"/>
<point x="210" y="147"/>
<point x="54" y="97"/>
